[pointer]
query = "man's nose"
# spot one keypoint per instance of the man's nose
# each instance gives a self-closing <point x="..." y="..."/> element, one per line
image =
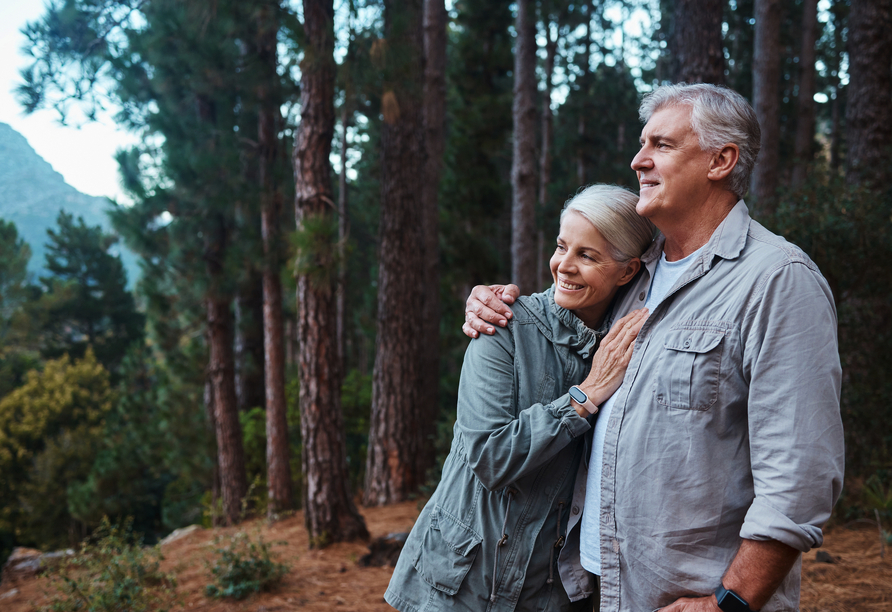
<point x="641" y="160"/>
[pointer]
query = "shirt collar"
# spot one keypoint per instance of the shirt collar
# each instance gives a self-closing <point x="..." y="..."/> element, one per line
<point x="727" y="241"/>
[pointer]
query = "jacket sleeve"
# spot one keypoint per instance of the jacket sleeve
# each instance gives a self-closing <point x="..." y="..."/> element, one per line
<point x="795" y="429"/>
<point x="504" y="442"/>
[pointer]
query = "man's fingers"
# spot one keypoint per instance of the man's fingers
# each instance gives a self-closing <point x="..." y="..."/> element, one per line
<point x="475" y="325"/>
<point x="510" y="293"/>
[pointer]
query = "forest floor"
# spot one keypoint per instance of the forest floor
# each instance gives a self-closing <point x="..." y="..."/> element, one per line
<point x="330" y="579"/>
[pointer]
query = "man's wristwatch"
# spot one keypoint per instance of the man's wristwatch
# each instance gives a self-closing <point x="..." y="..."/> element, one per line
<point x="729" y="601"/>
<point x="582" y="399"/>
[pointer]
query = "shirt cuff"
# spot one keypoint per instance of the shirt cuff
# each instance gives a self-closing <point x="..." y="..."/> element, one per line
<point x="763" y="522"/>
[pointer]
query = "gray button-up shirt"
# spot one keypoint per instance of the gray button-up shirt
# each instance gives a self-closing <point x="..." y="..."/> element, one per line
<point x="727" y="423"/>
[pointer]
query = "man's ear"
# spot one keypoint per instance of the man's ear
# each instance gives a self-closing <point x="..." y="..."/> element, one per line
<point x="629" y="273"/>
<point x="723" y="162"/>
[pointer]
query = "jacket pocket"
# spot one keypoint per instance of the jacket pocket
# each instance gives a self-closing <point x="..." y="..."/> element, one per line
<point x="447" y="552"/>
<point x="688" y="377"/>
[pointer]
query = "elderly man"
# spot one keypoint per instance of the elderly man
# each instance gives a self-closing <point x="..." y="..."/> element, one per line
<point x="720" y="457"/>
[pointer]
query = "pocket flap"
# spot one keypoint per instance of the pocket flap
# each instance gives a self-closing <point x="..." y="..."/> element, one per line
<point x="456" y="535"/>
<point x="693" y="340"/>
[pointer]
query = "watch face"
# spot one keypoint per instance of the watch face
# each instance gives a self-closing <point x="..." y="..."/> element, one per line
<point x="731" y="602"/>
<point x="578" y="394"/>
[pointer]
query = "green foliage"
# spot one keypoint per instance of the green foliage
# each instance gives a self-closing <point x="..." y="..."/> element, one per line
<point x="356" y="403"/>
<point x="244" y="566"/>
<point x="147" y="466"/>
<point x="110" y="573"/>
<point x="87" y="301"/>
<point x="253" y="423"/>
<point x="49" y="428"/>
<point x="315" y="255"/>
<point x="848" y="233"/>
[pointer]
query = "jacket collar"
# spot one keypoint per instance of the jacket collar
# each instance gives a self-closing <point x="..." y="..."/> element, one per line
<point x="561" y="326"/>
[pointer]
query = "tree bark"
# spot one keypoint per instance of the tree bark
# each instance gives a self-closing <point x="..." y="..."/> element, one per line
<point x="766" y="97"/>
<point x="216" y="519"/>
<point x="584" y="79"/>
<point x="697" y="41"/>
<point x="330" y="514"/>
<point x="805" y="120"/>
<point x="249" y="369"/>
<point x="393" y="469"/>
<point x="434" y="117"/>
<point x="523" y="166"/>
<point x="343" y="231"/>
<point x="221" y="369"/>
<point x="279" y="491"/>
<point x="869" y="95"/>
<point x="543" y="273"/>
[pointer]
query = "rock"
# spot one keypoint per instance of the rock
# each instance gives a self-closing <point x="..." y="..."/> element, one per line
<point x="26" y="563"/>
<point x="176" y="534"/>
<point x="384" y="551"/>
<point x="9" y="594"/>
<point x="822" y="556"/>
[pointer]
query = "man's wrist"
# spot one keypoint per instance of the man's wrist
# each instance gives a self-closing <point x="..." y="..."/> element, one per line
<point x="729" y="601"/>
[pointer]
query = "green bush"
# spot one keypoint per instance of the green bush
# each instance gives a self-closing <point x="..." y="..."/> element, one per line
<point x="244" y="566"/>
<point x="110" y="573"/>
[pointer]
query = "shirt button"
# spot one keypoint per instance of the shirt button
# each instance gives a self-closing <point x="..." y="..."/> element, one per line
<point x="606" y="470"/>
<point x="641" y="296"/>
<point x="575" y="509"/>
<point x="615" y="546"/>
<point x="687" y="343"/>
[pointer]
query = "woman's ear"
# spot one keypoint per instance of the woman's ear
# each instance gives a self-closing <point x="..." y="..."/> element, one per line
<point x="629" y="273"/>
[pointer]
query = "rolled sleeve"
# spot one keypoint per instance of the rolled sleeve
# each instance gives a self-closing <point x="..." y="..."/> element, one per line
<point x="795" y="430"/>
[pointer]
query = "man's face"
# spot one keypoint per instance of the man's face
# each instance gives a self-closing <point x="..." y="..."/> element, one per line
<point x="672" y="169"/>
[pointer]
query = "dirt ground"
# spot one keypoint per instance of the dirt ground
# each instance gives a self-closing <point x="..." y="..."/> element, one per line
<point x="329" y="579"/>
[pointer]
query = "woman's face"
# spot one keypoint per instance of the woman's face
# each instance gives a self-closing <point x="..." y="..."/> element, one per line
<point x="585" y="275"/>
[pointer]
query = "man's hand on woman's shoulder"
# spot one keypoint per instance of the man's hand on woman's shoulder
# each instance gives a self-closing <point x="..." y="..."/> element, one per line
<point x="488" y="306"/>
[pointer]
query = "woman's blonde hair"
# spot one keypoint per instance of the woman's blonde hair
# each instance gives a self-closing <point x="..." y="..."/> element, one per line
<point x="611" y="210"/>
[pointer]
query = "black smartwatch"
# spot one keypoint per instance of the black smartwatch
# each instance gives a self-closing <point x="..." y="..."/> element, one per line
<point x="729" y="601"/>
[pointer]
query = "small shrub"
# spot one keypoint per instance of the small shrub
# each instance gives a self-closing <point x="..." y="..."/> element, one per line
<point x="112" y="572"/>
<point x="244" y="566"/>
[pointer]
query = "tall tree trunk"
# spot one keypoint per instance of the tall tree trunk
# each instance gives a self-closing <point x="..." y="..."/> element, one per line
<point x="393" y="469"/>
<point x="584" y="79"/>
<point x="434" y="117"/>
<point x="330" y="513"/>
<point x="216" y="519"/>
<point x="221" y="369"/>
<point x="343" y="231"/>
<point x="523" y="166"/>
<point x="249" y="374"/>
<point x="279" y="490"/>
<point x="805" y="120"/>
<point x="869" y="96"/>
<point x="697" y="41"/>
<point x="766" y="97"/>
<point x="543" y="273"/>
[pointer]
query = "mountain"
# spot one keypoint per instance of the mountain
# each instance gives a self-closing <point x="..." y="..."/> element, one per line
<point x="32" y="193"/>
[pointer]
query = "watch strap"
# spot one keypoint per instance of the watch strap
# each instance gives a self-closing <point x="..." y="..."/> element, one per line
<point x="582" y="399"/>
<point x="729" y="601"/>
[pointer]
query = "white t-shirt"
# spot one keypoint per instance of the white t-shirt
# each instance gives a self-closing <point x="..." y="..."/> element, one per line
<point x="665" y="276"/>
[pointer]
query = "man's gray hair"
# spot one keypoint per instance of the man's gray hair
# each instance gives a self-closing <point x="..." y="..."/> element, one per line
<point x="718" y="116"/>
<point x="611" y="210"/>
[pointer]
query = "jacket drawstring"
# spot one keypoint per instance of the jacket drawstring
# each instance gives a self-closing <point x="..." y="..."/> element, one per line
<point x="557" y="544"/>
<point x="502" y="540"/>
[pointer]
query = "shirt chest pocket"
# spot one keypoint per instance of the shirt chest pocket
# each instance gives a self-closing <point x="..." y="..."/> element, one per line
<point x="688" y="375"/>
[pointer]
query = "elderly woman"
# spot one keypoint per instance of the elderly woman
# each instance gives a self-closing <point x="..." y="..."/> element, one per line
<point x="492" y="534"/>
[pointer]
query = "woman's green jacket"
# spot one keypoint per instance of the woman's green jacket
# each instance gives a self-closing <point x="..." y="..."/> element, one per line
<point x="490" y="536"/>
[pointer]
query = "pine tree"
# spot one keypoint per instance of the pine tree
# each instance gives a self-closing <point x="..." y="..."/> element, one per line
<point x="523" y="168"/>
<point x="766" y="102"/>
<point x="395" y="438"/>
<point x="697" y="41"/>
<point x="329" y="511"/>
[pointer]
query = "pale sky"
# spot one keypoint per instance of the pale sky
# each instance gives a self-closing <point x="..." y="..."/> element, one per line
<point x="85" y="155"/>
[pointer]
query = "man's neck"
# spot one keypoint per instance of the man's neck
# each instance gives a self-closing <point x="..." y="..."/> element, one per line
<point x="686" y="235"/>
